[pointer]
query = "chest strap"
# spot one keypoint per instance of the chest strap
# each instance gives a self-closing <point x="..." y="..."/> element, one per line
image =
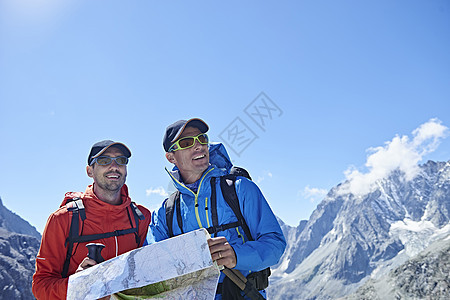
<point x="79" y="212"/>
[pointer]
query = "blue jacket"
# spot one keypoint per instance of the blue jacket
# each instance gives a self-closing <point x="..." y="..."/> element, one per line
<point x="269" y="242"/>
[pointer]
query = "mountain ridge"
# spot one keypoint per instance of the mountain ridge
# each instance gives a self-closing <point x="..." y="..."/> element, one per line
<point x="14" y="223"/>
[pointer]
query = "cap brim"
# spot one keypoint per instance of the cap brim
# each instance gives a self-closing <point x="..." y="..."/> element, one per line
<point x="121" y="146"/>
<point x="203" y="127"/>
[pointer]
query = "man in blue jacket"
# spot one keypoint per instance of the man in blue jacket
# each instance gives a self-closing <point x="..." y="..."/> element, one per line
<point x="198" y="166"/>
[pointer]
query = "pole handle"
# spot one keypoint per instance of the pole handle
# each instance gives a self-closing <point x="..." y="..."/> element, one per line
<point x="94" y="251"/>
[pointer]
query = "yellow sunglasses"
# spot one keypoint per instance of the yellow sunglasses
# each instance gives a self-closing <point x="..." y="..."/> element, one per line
<point x="188" y="142"/>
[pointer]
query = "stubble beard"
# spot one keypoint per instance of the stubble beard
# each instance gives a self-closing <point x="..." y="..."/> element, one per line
<point x="111" y="187"/>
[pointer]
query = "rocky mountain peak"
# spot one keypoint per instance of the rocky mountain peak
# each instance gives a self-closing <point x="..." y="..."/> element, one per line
<point x="19" y="244"/>
<point x="350" y="238"/>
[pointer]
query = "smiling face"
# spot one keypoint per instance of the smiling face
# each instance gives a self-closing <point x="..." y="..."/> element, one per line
<point x="108" y="179"/>
<point x="191" y="162"/>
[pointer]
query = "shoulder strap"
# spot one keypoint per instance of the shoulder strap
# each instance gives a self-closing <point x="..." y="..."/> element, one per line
<point x="229" y="194"/>
<point x="136" y="211"/>
<point x="105" y="235"/>
<point x="179" y="218"/>
<point x="214" y="217"/>
<point x="215" y="228"/>
<point x="138" y="215"/>
<point x="171" y="202"/>
<point x="77" y="211"/>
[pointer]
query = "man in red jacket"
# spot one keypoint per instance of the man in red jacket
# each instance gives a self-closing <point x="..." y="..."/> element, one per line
<point x="110" y="215"/>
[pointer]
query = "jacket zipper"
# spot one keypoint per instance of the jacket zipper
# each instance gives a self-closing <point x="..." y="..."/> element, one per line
<point x="197" y="216"/>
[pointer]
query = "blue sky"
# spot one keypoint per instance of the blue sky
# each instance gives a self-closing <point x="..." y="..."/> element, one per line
<point x="339" y="79"/>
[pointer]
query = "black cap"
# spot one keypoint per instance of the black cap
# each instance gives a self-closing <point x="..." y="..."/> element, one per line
<point x="100" y="147"/>
<point x="174" y="130"/>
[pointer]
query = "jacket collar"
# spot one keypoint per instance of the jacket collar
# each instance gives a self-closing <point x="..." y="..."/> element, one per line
<point x="211" y="171"/>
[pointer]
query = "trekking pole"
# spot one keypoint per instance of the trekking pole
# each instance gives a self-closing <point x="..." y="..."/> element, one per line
<point x="94" y="251"/>
<point x="241" y="281"/>
<point x="235" y="278"/>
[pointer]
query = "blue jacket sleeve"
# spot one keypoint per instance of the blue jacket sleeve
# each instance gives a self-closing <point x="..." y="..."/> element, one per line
<point x="158" y="227"/>
<point x="269" y="242"/>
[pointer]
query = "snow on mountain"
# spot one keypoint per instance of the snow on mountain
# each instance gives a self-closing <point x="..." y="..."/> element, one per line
<point x="426" y="276"/>
<point x="351" y="238"/>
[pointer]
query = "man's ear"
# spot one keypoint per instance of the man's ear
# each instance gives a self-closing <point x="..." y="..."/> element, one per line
<point x="90" y="171"/>
<point x="170" y="157"/>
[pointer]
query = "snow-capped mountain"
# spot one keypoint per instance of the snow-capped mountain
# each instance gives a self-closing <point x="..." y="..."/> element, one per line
<point x="351" y="238"/>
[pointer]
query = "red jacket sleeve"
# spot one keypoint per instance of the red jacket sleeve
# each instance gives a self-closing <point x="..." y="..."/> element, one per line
<point x="47" y="280"/>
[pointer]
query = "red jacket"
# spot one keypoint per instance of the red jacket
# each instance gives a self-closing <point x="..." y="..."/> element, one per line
<point x="101" y="217"/>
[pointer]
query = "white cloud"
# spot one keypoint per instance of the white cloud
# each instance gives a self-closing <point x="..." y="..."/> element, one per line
<point x="402" y="153"/>
<point x="262" y="178"/>
<point x="158" y="191"/>
<point x="313" y="194"/>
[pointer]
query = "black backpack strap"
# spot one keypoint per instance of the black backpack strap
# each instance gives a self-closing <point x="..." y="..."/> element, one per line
<point x="98" y="236"/>
<point x="136" y="222"/>
<point x="92" y="237"/>
<point x="229" y="194"/>
<point x="81" y="210"/>
<point x="179" y="218"/>
<point x="169" y="206"/>
<point x="171" y="202"/>
<point x="138" y="215"/>
<point x="214" y="217"/>
<point x="77" y="212"/>
<point x="215" y="228"/>
<point x="136" y="211"/>
<point x="218" y="228"/>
